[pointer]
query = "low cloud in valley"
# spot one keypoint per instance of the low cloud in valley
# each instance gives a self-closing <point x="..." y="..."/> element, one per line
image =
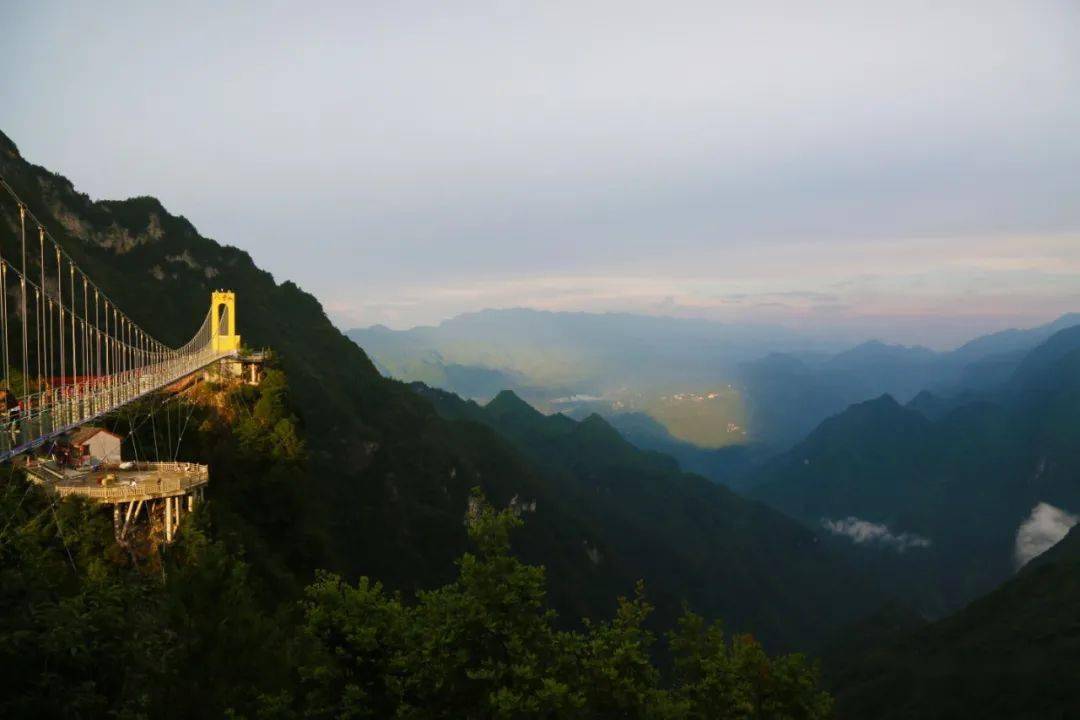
<point x="1043" y="529"/>
<point x="864" y="532"/>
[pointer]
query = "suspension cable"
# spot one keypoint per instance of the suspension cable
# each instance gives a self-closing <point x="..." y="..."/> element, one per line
<point x="60" y="302"/>
<point x="112" y="356"/>
<point x="3" y="309"/>
<point x="41" y="309"/>
<point x="22" y="302"/>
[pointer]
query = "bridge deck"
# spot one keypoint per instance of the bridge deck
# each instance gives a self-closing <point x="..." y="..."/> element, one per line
<point x="64" y="409"/>
<point x="143" y="481"/>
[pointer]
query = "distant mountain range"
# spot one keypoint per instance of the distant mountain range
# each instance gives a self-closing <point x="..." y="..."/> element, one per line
<point x="787" y="395"/>
<point x="936" y="502"/>
<point x="957" y="482"/>
<point x="777" y="384"/>
<point x="923" y="499"/>
<point x="560" y="354"/>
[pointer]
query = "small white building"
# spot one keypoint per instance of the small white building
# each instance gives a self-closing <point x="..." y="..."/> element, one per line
<point x="95" y="444"/>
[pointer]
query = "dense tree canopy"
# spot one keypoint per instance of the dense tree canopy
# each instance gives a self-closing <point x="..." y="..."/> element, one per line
<point x="88" y="629"/>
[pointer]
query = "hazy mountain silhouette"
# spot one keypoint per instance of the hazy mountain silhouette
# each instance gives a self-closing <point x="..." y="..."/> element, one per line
<point x="963" y="477"/>
<point x="786" y="383"/>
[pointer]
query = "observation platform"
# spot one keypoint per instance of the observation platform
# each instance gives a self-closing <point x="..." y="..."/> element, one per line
<point x="165" y="490"/>
<point x="110" y="484"/>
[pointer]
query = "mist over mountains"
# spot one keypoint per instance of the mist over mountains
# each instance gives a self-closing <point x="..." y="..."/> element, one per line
<point x="956" y="504"/>
<point x="706" y="410"/>
<point x="864" y="475"/>
<point x="909" y="462"/>
<point x="706" y="384"/>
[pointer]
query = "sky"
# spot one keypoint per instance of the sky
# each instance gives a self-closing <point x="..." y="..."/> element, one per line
<point x="904" y="170"/>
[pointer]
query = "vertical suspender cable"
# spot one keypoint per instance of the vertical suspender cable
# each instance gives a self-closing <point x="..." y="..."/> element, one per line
<point x="22" y="301"/>
<point x="86" y="329"/>
<point x="97" y="335"/>
<point x="50" y="345"/>
<point x="118" y="342"/>
<point x="110" y="349"/>
<point x="74" y="351"/>
<point x="108" y="353"/>
<point x="43" y="362"/>
<point x="60" y="303"/>
<point x="37" y="333"/>
<point x="50" y="348"/>
<point x="4" y="313"/>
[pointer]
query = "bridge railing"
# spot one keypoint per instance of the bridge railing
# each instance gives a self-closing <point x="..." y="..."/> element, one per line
<point x="56" y="411"/>
<point x="191" y="479"/>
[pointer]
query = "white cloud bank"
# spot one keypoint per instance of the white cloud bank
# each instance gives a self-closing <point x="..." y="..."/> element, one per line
<point x="1043" y="529"/>
<point x="865" y="532"/>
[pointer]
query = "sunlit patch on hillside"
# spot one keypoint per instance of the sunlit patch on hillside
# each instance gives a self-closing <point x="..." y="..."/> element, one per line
<point x="710" y="418"/>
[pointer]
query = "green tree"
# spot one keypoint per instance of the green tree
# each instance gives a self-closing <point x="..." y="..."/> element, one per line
<point x="717" y="679"/>
<point x="487" y="646"/>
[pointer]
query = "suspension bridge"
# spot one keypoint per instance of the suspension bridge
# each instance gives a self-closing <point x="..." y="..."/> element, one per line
<point x="70" y="354"/>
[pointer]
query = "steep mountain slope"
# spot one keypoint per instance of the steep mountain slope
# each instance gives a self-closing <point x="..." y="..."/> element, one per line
<point x="729" y="466"/>
<point x="1012" y="654"/>
<point x="690" y="539"/>
<point x="957" y="486"/>
<point x="387" y="481"/>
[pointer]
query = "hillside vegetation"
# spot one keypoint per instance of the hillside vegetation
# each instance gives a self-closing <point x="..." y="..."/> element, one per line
<point x="331" y="466"/>
<point x="1012" y="654"/>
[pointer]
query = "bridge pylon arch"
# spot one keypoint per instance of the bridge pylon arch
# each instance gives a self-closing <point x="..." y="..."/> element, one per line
<point x="223" y="321"/>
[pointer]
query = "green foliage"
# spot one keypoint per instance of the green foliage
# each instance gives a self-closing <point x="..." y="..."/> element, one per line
<point x="372" y="482"/>
<point x="486" y="645"/>
<point x="86" y="632"/>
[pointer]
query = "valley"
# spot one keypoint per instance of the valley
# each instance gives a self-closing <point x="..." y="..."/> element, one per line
<point x="540" y="361"/>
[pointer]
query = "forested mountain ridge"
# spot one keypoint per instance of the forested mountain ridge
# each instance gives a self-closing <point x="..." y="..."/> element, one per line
<point x="1014" y="653"/>
<point x="724" y="555"/>
<point x="200" y="628"/>
<point x="380" y="491"/>
<point x="388" y="479"/>
<point x="933" y="500"/>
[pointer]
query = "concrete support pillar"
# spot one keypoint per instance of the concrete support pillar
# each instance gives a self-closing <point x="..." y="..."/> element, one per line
<point x="168" y="520"/>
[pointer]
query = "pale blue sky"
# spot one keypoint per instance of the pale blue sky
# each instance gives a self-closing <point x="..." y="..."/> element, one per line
<point x="907" y="170"/>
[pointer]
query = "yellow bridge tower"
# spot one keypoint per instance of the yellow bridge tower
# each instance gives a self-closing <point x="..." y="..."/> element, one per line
<point x="223" y="321"/>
